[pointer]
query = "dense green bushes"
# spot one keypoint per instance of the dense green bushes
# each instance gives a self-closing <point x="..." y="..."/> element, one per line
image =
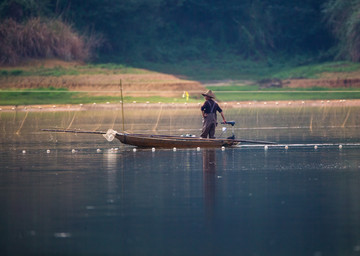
<point x="171" y="31"/>
<point x="343" y="18"/>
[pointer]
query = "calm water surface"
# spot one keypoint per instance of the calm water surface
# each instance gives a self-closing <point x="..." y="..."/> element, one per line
<point x="241" y="201"/>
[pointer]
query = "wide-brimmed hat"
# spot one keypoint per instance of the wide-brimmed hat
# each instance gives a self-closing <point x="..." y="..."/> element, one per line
<point x="209" y="93"/>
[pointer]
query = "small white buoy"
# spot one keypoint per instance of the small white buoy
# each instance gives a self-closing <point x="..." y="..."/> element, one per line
<point x="174" y="149"/>
<point x="315" y="147"/>
<point x="54" y="106"/>
<point x="62" y="235"/>
<point x="48" y="151"/>
<point x="134" y="149"/>
<point x="98" y="150"/>
<point x="147" y="102"/>
<point x="73" y="151"/>
<point x="198" y="148"/>
<point x="223" y="148"/>
<point x="153" y="149"/>
<point x="276" y="103"/>
<point x="286" y="147"/>
<point x="81" y="104"/>
<point x="303" y="102"/>
<point x="24" y="151"/>
<point x="340" y="146"/>
<point x="94" y="103"/>
<point x="238" y="103"/>
<point x="266" y="147"/>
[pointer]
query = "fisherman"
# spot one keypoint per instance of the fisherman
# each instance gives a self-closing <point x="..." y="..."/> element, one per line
<point x="208" y="110"/>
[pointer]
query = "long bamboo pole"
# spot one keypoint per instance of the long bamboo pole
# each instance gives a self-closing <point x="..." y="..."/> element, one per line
<point x="122" y="106"/>
<point x="72" y="131"/>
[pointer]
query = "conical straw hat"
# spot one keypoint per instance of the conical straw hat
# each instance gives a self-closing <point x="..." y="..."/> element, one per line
<point x="209" y="93"/>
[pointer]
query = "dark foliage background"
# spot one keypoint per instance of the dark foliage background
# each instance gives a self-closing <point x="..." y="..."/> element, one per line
<point x="176" y="30"/>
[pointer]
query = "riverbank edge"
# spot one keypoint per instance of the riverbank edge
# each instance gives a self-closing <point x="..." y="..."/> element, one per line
<point x="224" y="105"/>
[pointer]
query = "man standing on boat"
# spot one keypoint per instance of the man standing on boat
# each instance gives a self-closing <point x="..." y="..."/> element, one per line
<point x="208" y="110"/>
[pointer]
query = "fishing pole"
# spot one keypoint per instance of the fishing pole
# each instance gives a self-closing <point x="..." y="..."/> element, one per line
<point x="256" y="141"/>
<point x="232" y="123"/>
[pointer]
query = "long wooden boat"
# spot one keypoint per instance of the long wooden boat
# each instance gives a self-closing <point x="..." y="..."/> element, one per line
<point x="165" y="141"/>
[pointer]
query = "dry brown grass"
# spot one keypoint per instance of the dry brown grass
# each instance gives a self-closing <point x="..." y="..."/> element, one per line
<point x="43" y="39"/>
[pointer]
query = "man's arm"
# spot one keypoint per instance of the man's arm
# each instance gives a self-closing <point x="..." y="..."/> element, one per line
<point x="223" y="117"/>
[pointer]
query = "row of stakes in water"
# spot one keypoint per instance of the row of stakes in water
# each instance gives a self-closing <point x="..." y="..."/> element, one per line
<point x="48" y="151"/>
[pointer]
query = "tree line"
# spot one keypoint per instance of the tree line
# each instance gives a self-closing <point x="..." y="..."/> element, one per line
<point x="176" y="30"/>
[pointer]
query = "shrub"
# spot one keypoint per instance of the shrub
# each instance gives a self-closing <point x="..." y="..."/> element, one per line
<point x="38" y="38"/>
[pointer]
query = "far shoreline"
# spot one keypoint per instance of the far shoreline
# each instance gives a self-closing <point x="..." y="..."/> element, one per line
<point x="231" y="104"/>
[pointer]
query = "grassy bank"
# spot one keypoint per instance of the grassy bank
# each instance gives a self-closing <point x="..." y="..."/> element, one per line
<point x="195" y="70"/>
<point x="57" y="70"/>
<point x="246" y="93"/>
<point x="232" y="72"/>
<point x="233" y="69"/>
<point x="230" y="93"/>
<point x="62" y="96"/>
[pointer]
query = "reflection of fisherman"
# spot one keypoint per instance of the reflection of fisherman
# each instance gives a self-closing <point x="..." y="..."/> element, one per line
<point x="208" y="110"/>
<point x="209" y="171"/>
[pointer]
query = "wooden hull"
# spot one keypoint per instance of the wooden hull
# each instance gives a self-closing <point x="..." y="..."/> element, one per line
<point x="164" y="141"/>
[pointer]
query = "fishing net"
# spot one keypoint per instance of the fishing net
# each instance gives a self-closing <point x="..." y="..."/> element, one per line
<point x="110" y="135"/>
